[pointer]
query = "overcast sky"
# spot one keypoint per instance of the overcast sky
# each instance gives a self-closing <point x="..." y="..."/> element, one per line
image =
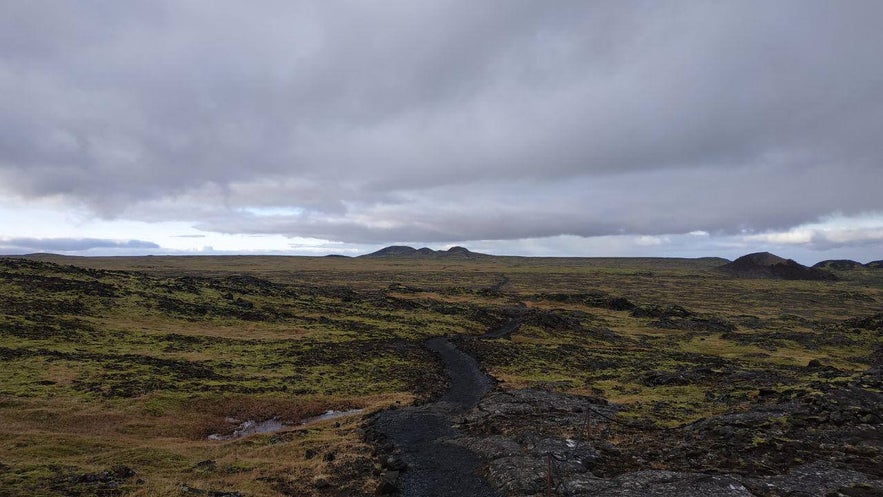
<point x="514" y="126"/>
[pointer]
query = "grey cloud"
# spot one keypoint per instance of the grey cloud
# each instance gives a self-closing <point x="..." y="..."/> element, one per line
<point x="820" y="242"/>
<point x="653" y="203"/>
<point x="446" y="120"/>
<point x="70" y="244"/>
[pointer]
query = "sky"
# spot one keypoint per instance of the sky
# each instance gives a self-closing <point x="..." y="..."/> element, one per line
<point x="513" y="127"/>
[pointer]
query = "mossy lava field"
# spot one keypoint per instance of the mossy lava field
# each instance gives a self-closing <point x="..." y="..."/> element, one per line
<point x="175" y="376"/>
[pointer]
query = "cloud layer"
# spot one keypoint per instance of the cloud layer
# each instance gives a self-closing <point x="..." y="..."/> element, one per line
<point x="447" y="121"/>
<point x="19" y="245"/>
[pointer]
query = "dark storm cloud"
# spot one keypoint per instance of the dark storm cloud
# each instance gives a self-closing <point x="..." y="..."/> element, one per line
<point x="70" y="244"/>
<point x="445" y="121"/>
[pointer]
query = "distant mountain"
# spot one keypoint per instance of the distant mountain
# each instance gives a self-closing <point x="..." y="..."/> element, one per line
<point x="425" y="252"/>
<point x="838" y="265"/>
<point x="394" y="251"/>
<point x="771" y="266"/>
<point x="875" y="264"/>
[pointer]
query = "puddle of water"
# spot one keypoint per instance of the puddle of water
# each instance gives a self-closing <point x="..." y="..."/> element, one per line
<point x="330" y="415"/>
<point x="252" y="427"/>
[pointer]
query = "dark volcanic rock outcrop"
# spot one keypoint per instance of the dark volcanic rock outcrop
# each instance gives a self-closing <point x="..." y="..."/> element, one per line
<point x="425" y="252"/>
<point x="873" y="323"/>
<point x="811" y="445"/>
<point x="767" y="265"/>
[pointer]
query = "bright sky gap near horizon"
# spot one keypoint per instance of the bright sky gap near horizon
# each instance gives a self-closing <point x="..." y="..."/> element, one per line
<point x="572" y="128"/>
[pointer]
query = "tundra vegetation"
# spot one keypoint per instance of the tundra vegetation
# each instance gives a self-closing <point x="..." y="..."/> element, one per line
<point x="117" y="370"/>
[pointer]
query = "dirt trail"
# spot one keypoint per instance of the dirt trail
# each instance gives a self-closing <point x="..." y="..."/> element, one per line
<point x="468" y="383"/>
<point x="420" y="434"/>
<point x="508" y="328"/>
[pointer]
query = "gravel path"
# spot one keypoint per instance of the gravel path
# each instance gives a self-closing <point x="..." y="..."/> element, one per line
<point x="434" y="466"/>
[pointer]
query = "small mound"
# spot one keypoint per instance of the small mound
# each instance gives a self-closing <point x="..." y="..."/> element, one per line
<point x="764" y="265"/>
<point x="761" y="259"/>
<point x="838" y="265"/>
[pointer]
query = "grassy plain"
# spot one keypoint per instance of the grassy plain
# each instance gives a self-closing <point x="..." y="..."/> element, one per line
<point x="117" y="364"/>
